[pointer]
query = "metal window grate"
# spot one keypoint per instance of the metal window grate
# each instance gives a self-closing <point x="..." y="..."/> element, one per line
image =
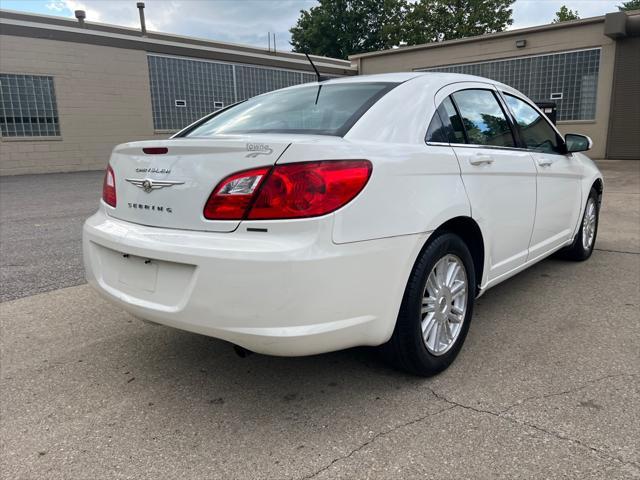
<point x="206" y="86"/>
<point x="571" y="76"/>
<point x="28" y="106"/>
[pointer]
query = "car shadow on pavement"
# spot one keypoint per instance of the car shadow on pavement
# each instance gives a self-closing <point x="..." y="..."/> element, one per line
<point x="193" y="369"/>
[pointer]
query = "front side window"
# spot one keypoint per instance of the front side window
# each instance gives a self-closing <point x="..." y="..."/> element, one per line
<point x="320" y="109"/>
<point x="535" y="131"/>
<point x="483" y="118"/>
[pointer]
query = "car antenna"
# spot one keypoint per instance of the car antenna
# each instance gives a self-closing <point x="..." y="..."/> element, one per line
<point x="320" y="77"/>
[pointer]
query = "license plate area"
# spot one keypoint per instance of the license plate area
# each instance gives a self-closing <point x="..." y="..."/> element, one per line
<point x="142" y="280"/>
<point x="138" y="272"/>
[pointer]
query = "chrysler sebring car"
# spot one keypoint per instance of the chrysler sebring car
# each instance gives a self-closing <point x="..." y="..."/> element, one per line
<point x="369" y="210"/>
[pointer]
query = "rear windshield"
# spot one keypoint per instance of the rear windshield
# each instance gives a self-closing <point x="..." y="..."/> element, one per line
<point x="320" y="109"/>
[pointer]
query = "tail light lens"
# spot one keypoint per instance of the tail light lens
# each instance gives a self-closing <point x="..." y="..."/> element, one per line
<point x="294" y="190"/>
<point x="232" y="197"/>
<point x="109" y="187"/>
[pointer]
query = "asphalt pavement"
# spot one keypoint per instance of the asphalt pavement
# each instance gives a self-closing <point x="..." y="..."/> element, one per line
<point x="546" y="386"/>
<point x="41" y="220"/>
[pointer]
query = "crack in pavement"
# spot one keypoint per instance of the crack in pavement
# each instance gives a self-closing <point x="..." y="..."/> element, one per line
<point x="373" y="439"/>
<point x="500" y="415"/>
<point x="565" y="392"/>
<point x="559" y="436"/>
<point x="616" y="251"/>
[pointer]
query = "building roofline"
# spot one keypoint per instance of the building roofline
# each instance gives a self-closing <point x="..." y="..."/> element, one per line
<point x="479" y="38"/>
<point x="58" y="28"/>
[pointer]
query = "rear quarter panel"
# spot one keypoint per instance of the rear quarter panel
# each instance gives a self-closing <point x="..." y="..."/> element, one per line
<point x="413" y="188"/>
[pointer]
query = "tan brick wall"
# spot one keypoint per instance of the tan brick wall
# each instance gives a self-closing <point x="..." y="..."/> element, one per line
<point x="490" y="48"/>
<point x="103" y="99"/>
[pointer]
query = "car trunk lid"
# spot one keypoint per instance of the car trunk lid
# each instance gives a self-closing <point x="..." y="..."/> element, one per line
<point x="169" y="186"/>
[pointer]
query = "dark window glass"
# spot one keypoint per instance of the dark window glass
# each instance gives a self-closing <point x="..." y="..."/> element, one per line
<point x="437" y="131"/>
<point x="535" y="131"/>
<point x="329" y="109"/>
<point x="445" y="126"/>
<point x="448" y="111"/>
<point x="483" y="118"/>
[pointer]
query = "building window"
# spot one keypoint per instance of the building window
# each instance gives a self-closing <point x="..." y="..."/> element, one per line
<point x="569" y="78"/>
<point x="202" y="86"/>
<point x="28" y="106"/>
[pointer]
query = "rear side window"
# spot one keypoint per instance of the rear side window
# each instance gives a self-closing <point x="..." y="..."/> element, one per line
<point x="321" y="109"/>
<point x="535" y="131"/>
<point x="483" y="118"/>
<point x="445" y="126"/>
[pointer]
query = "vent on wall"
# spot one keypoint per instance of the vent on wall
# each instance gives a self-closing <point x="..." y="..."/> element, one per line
<point x="181" y="103"/>
<point x="218" y="104"/>
<point x="556" y="96"/>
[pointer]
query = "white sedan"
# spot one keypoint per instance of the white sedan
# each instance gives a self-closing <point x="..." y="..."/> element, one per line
<point x="370" y="210"/>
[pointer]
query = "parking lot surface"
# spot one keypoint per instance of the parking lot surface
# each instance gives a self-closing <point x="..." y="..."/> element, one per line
<point x="546" y="386"/>
<point x="40" y="230"/>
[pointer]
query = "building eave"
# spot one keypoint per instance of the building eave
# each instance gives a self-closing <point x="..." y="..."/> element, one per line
<point x="55" y="28"/>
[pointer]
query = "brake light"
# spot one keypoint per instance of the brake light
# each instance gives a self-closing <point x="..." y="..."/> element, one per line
<point x="294" y="190"/>
<point x="109" y="187"/>
<point x="155" y="150"/>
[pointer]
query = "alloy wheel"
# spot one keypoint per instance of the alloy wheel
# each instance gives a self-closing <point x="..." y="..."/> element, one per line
<point x="444" y="304"/>
<point x="589" y="224"/>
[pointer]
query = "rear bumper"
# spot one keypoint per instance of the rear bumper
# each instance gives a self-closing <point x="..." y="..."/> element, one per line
<point x="290" y="291"/>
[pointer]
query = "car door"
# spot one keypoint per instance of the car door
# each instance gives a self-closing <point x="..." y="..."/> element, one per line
<point x="500" y="179"/>
<point x="558" y="204"/>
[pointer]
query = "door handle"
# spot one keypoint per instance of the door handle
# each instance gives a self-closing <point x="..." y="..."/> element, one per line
<point x="544" y="162"/>
<point x="481" y="160"/>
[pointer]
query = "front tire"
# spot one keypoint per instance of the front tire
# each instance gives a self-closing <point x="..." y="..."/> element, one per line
<point x="585" y="240"/>
<point x="436" y="309"/>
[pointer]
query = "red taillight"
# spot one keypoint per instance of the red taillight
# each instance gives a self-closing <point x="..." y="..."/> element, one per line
<point x="109" y="187"/>
<point x="231" y="198"/>
<point x="294" y="190"/>
<point x="310" y="189"/>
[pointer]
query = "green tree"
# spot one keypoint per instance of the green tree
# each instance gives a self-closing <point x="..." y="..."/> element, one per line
<point x="564" y="14"/>
<point x="436" y="20"/>
<point x="338" y="28"/>
<point x="630" y="5"/>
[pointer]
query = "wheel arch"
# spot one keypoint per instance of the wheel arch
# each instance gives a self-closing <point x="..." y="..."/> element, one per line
<point x="598" y="185"/>
<point x="468" y="229"/>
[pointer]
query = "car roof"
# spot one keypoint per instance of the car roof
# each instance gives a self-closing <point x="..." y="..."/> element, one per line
<point x="435" y="79"/>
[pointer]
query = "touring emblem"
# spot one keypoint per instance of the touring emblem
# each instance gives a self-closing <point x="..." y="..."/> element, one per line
<point x="149" y="185"/>
<point x="258" y="149"/>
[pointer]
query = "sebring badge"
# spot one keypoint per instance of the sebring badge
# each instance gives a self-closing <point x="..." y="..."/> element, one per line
<point x="149" y="185"/>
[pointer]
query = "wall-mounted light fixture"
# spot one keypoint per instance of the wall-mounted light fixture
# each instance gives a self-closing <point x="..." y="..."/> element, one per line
<point x="521" y="43"/>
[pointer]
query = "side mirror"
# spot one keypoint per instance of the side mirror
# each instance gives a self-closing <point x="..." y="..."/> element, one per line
<point x="577" y="143"/>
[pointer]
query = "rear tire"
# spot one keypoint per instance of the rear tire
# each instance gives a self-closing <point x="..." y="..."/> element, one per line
<point x="585" y="240"/>
<point x="436" y="308"/>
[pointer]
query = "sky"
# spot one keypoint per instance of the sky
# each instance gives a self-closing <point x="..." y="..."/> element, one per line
<point x="248" y="21"/>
